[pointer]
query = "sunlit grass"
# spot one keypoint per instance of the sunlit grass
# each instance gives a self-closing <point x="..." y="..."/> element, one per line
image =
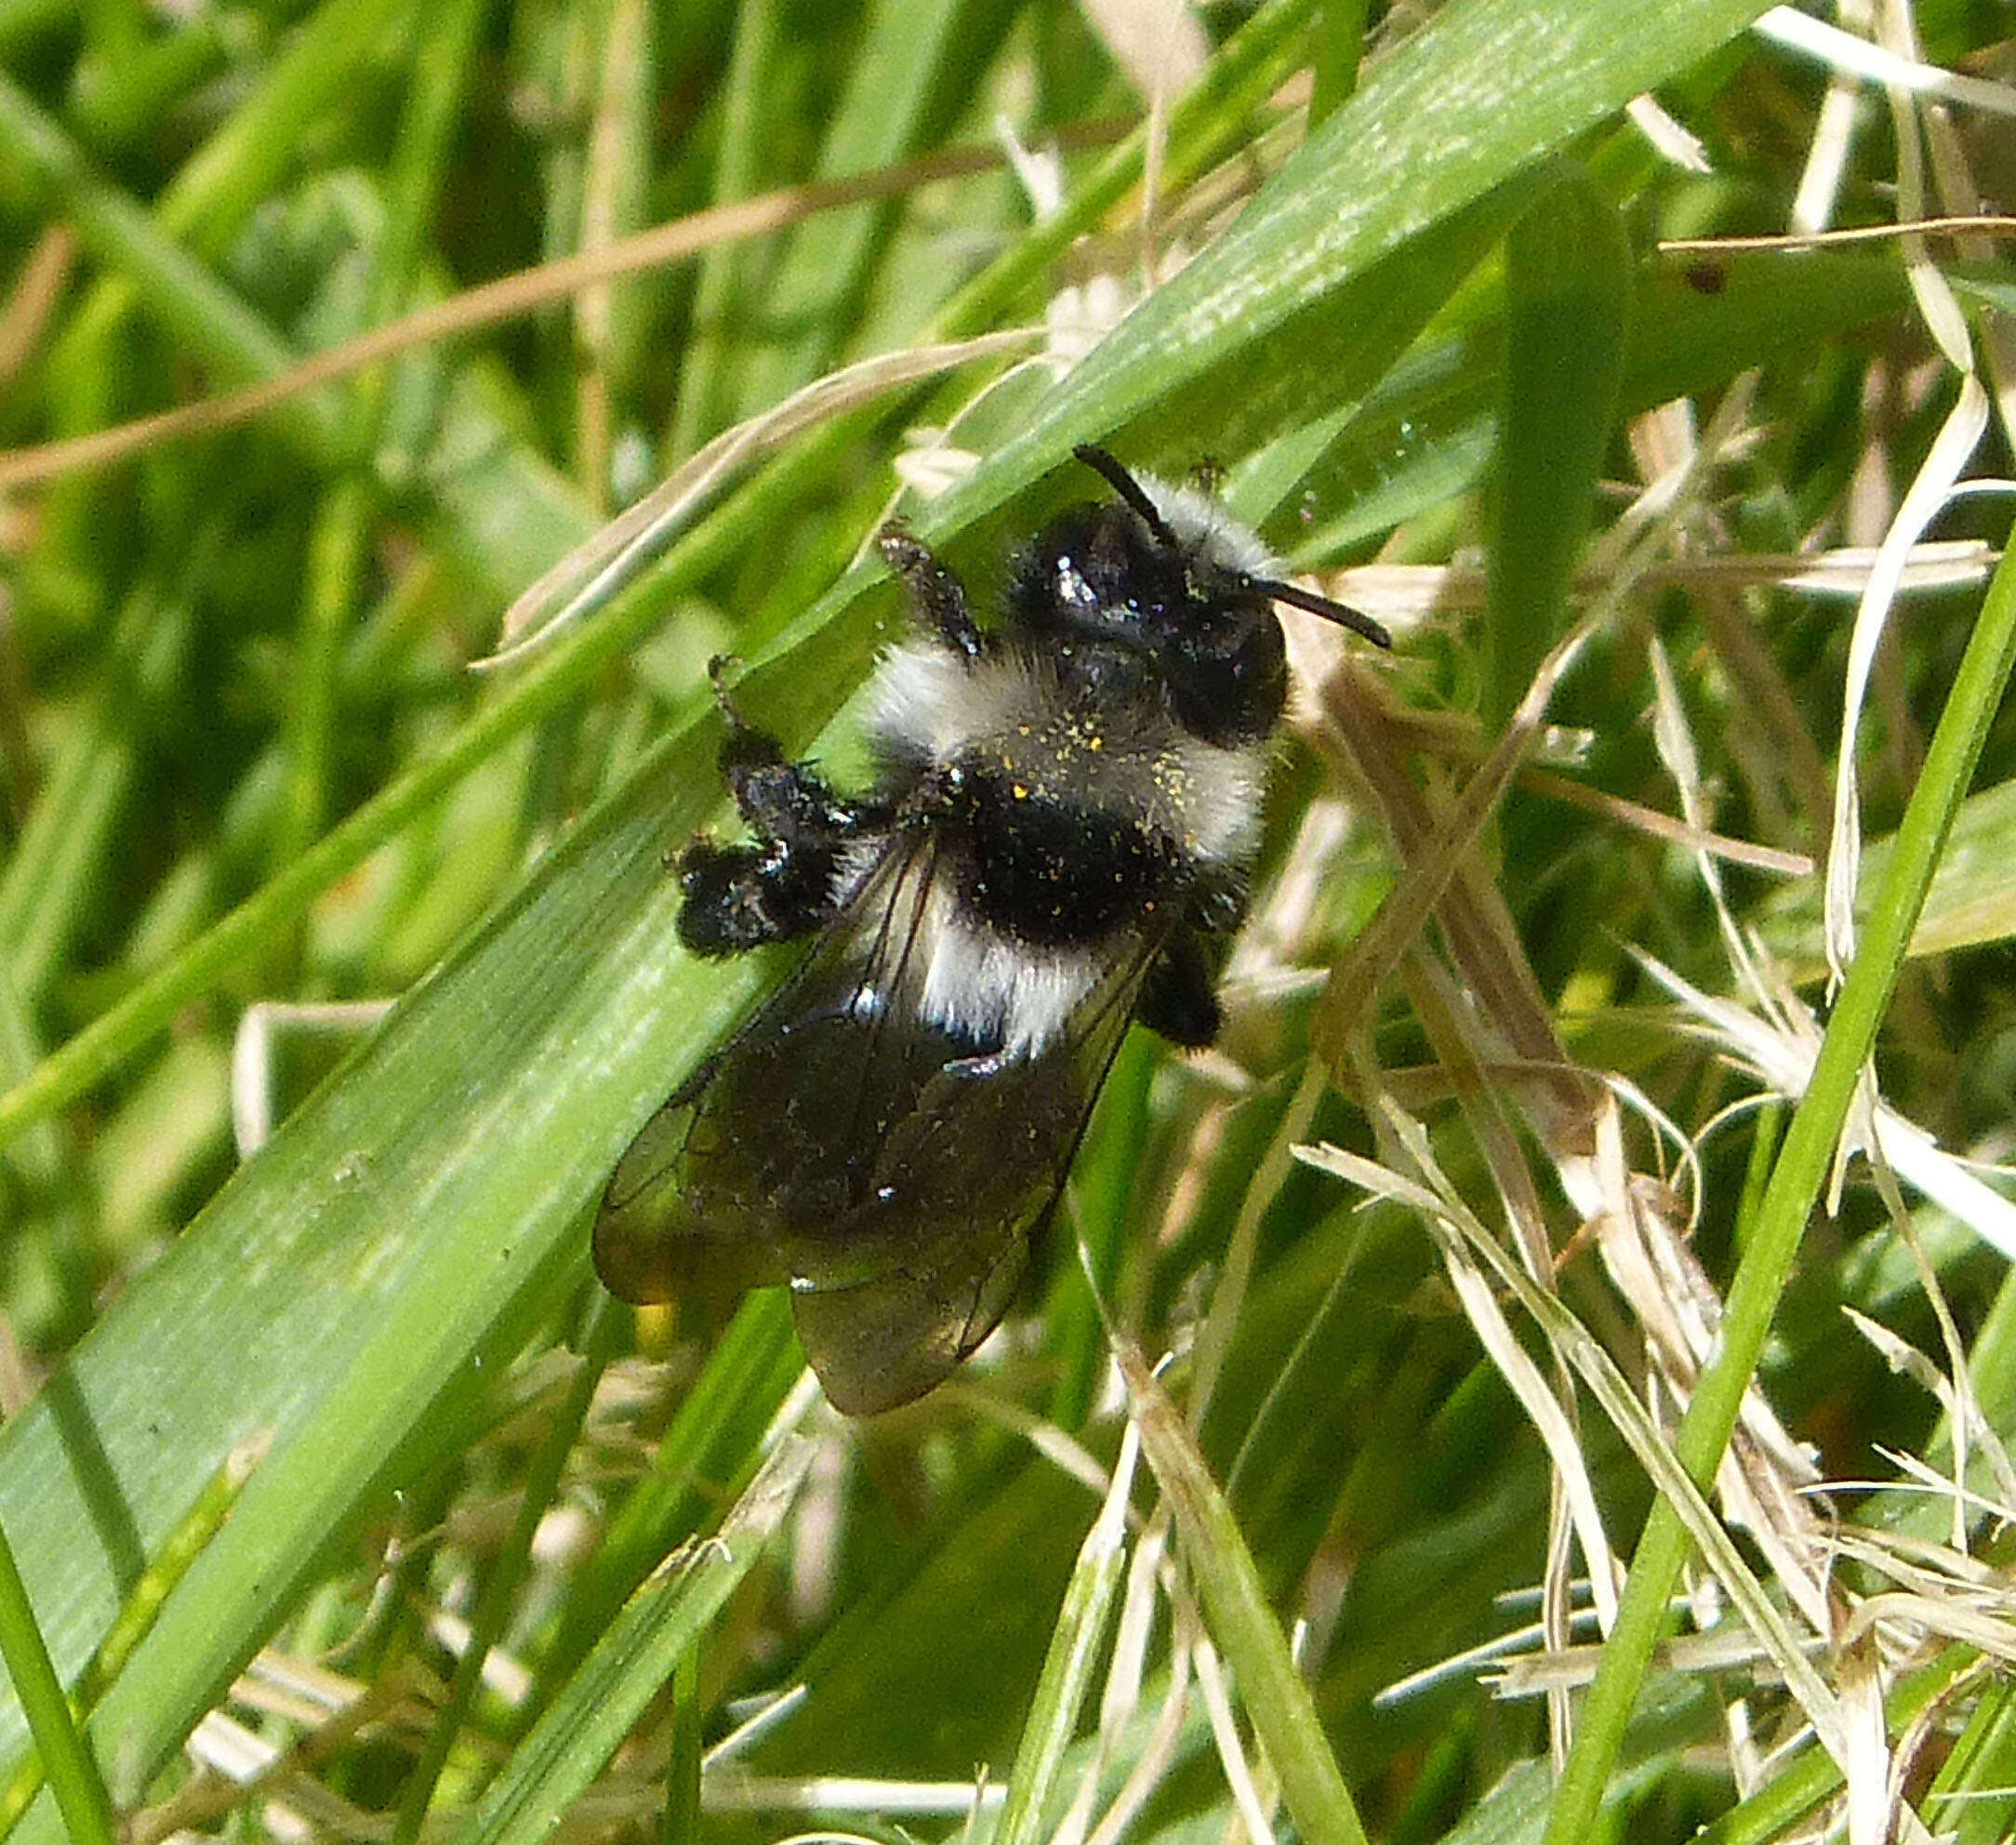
<point x="332" y="333"/>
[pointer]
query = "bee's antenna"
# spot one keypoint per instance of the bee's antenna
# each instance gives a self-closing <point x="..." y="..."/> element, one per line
<point x="1129" y="489"/>
<point x="1117" y="477"/>
<point x="1341" y="613"/>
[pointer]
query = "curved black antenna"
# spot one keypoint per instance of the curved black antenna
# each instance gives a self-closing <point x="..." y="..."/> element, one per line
<point x="1129" y="489"/>
<point x="1117" y="477"/>
<point x="1342" y="614"/>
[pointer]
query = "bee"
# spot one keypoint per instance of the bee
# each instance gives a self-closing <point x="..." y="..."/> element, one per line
<point x="1059" y="842"/>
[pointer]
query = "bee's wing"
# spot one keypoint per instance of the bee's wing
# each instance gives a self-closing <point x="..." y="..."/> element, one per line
<point x="842" y="1145"/>
<point x="782" y="1126"/>
<point x="648" y="1244"/>
<point x="893" y="1297"/>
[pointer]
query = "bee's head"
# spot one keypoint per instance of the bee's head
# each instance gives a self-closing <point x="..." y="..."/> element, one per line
<point x="1166" y="572"/>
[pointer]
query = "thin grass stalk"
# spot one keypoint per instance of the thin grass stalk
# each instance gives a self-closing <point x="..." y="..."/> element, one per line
<point x="103" y="1044"/>
<point x="1340" y="49"/>
<point x="682" y="1824"/>
<point x="180" y="290"/>
<point x="583" y="1725"/>
<point x="1068" y="1664"/>
<point x="339" y="543"/>
<point x="506" y="1569"/>
<point x="67" y="1763"/>
<point x="751" y="1367"/>
<point x="1796" y="1789"/>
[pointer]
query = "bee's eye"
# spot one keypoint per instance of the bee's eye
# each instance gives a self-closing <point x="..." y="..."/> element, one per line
<point x="1069" y="587"/>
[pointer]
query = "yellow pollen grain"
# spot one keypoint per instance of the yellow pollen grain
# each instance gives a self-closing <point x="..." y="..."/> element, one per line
<point x="1021" y="793"/>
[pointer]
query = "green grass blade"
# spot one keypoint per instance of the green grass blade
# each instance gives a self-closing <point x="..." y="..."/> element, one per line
<point x="371" y="1291"/>
<point x="705" y="386"/>
<point x="1241" y="1623"/>
<point x="1800" y="1172"/>
<point x="583" y="1727"/>
<point x="1427" y="135"/>
<point x="755" y="1361"/>
<point x="911" y="54"/>
<point x="1068" y="1667"/>
<point x="176" y="287"/>
<point x="1570" y="295"/>
<point x="354" y="1286"/>
<point x="61" y="850"/>
<point x="66" y="1761"/>
<point x="499" y="1592"/>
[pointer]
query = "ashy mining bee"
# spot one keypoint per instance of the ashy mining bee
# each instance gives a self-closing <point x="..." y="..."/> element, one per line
<point x="1060" y="834"/>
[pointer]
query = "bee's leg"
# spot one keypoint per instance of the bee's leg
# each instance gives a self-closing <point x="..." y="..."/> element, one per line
<point x="740" y="896"/>
<point x="785" y="801"/>
<point x="1178" y="996"/>
<point x="938" y="595"/>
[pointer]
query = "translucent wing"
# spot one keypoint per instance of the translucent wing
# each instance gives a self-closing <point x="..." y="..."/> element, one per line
<point x="780" y="1127"/>
<point x="893" y="1174"/>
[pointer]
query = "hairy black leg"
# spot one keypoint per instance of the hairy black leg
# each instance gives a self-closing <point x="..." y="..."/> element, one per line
<point x="940" y="596"/>
<point x="1178" y="1000"/>
<point x="1179" y="996"/>
<point x="781" y="799"/>
<point x="740" y="896"/>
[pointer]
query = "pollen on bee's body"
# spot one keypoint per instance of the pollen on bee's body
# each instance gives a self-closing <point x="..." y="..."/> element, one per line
<point x="962" y="1008"/>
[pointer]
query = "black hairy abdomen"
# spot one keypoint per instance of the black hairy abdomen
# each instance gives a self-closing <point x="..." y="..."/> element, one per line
<point x="1054" y="871"/>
